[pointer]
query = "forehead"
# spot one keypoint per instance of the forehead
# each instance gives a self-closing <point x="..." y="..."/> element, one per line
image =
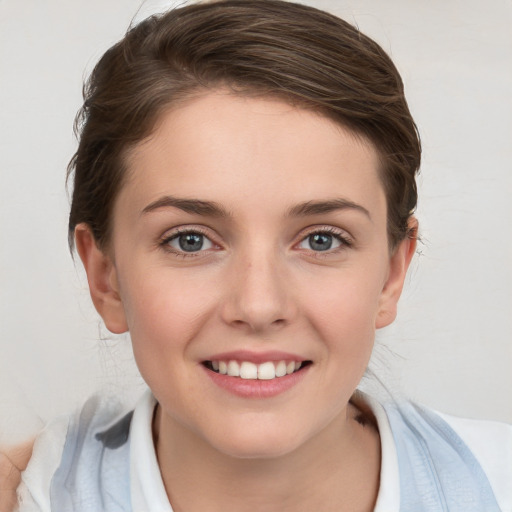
<point x="236" y="149"/>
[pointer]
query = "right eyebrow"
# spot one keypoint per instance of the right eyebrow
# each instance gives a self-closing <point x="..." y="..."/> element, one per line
<point x="193" y="206"/>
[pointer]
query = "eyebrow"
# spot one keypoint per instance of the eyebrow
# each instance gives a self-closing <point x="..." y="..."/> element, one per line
<point x="193" y="206"/>
<point x="320" y="207"/>
<point x="212" y="209"/>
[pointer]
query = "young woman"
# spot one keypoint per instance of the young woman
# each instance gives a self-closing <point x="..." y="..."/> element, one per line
<point x="243" y="202"/>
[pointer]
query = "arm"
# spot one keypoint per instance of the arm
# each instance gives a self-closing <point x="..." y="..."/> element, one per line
<point x="13" y="461"/>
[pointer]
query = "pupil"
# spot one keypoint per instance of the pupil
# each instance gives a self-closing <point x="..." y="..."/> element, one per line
<point x="191" y="242"/>
<point x="320" y="242"/>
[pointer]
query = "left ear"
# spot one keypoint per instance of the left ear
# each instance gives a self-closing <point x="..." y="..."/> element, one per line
<point x="398" y="265"/>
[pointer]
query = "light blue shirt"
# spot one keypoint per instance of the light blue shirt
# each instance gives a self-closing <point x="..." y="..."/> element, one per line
<point x="94" y="467"/>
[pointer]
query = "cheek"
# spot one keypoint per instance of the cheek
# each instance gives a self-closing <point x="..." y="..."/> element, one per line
<point x="347" y="303"/>
<point x="343" y="308"/>
<point x="165" y="309"/>
<point x="165" y="313"/>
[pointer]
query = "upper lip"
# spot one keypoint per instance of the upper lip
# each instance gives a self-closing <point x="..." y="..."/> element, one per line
<point x="256" y="357"/>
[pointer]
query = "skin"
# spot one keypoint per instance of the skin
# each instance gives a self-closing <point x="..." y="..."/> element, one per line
<point x="12" y="462"/>
<point x="258" y="284"/>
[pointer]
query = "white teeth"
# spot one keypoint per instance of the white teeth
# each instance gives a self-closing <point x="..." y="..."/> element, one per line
<point x="248" y="370"/>
<point x="233" y="369"/>
<point x="264" y="371"/>
<point x="281" y="369"/>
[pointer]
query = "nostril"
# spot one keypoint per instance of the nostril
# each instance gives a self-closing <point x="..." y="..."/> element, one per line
<point x="255" y="324"/>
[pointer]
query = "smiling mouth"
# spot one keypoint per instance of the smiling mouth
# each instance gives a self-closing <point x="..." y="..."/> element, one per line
<point x="250" y="371"/>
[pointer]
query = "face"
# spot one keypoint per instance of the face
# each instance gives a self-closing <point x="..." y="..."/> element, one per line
<point x="250" y="237"/>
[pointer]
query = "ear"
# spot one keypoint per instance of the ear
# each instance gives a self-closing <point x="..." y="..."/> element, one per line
<point x="398" y="265"/>
<point x="102" y="278"/>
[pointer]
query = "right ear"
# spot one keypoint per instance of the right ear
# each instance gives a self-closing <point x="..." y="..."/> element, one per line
<point x="102" y="278"/>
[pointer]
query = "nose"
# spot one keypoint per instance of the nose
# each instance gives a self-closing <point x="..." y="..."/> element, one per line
<point x="257" y="296"/>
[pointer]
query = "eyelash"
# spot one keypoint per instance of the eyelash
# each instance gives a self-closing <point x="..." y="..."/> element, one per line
<point x="344" y="240"/>
<point x="164" y="242"/>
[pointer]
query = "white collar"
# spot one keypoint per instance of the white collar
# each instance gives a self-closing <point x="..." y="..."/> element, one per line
<point x="147" y="487"/>
<point x="388" y="498"/>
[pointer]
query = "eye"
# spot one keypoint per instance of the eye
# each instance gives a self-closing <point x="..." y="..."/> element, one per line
<point x="190" y="241"/>
<point x="321" y="241"/>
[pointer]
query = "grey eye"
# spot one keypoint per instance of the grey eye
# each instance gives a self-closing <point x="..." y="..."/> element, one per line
<point x="320" y="242"/>
<point x="190" y="242"/>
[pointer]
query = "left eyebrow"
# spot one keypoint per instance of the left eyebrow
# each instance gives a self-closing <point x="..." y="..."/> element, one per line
<point x="193" y="206"/>
<point x="331" y="205"/>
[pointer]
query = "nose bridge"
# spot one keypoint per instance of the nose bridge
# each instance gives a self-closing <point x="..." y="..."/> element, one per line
<point x="258" y="298"/>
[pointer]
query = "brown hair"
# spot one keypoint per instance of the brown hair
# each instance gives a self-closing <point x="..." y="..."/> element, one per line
<point x="266" y="47"/>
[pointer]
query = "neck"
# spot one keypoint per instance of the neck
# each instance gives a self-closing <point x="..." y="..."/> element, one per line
<point x="336" y="470"/>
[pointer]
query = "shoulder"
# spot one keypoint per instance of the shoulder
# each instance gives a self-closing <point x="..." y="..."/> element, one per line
<point x="462" y="462"/>
<point x="491" y="444"/>
<point x="77" y="458"/>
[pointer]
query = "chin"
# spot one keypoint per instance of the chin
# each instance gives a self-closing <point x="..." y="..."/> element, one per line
<point x="258" y="443"/>
<point x="257" y="450"/>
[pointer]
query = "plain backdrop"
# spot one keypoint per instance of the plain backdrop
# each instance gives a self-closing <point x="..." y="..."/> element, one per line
<point x="451" y="347"/>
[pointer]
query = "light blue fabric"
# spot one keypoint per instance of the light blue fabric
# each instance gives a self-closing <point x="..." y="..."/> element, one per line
<point x="94" y="474"/>
<point x="438" y="472"/>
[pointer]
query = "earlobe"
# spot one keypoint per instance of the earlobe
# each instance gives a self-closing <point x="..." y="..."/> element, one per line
<point x="102" y="279"/>
<point x="398" y="265"/>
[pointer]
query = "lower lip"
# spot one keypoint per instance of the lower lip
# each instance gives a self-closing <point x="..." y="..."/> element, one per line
<point x="256" y="388"/>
